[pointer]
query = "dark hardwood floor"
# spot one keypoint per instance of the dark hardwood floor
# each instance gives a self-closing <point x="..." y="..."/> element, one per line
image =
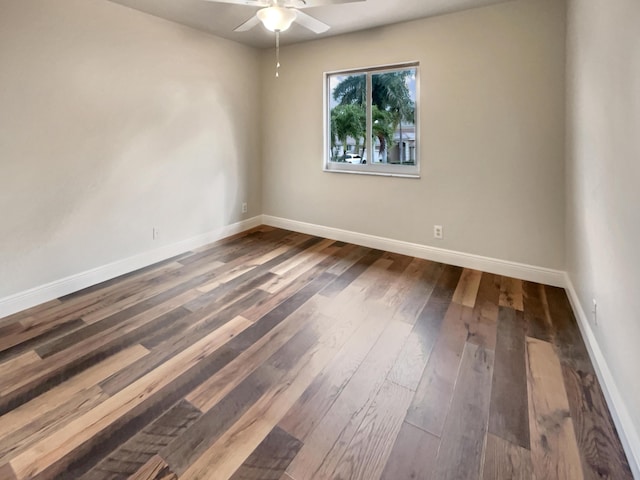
<point x="276" y="355"/>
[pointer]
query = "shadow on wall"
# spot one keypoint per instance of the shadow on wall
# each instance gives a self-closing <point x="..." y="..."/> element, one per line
<point x="108" y="157"/>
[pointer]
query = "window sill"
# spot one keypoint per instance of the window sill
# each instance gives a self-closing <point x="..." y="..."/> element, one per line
<point x="377" y="174"/>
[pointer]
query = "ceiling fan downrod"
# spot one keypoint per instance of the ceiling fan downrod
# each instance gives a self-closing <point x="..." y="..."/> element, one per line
<point x="277" y="53"/>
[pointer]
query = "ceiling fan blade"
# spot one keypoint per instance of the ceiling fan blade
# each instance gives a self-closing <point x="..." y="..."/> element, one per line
<point x="321" y="3"/>
<point x="311" y="23"/>
<point x="251" y="3"/>
<point x="248" y="25"/>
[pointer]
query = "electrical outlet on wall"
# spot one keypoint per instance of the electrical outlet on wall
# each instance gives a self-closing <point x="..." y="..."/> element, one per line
<point x="155" y="234"/>
<point x="594" y="311"/>
<point x="438" y="232"/>
<point x="245" y="208"/>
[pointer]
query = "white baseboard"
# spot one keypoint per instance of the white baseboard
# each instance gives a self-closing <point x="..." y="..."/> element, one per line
<point x="450" y="257"/>
<point x="73" y="283"/>
<point x="626" y="430"/>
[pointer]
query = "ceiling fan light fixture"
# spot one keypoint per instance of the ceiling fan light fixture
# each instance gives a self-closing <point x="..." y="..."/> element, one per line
<point x="276" y="19"/>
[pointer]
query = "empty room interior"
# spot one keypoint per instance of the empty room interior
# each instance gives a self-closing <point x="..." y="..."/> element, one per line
<point x="321" y="239"/>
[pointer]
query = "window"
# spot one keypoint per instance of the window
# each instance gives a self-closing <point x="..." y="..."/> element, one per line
<point x="371" y="121"/>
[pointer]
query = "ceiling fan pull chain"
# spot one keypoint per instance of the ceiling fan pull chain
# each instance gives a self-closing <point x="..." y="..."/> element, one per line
<point x="277" y="53"/>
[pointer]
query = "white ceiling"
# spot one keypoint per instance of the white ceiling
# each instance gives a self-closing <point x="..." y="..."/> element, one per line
<point x="221" y="18"/>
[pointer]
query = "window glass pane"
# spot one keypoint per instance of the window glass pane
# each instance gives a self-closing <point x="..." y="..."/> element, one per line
<point x="393" y="114"/>
<point x="347" y="117"/>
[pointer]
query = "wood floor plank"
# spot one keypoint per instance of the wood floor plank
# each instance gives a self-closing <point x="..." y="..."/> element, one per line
<point x="228" y="276"/>
<point x="271" y="302"/>
<point x="409" y="277"/>
<point x="30" y="329"/>
<point x="436" y="388"/>
<point x="566" y="334"/>
<point x="483" y="325"/>
<point x="371" y="445"/>
<point x="235" y="445"/>
<point x="135" y="289"/>
<point x="511" y="293"/>
<point x="409" y="367"/>
<point x="133" y="455"/>
<point x="171" y="338"/>
<point x="250" y="279"/>
<point x="7" y="473"/>
<point x="165" y="349"/>
<point x="294" y="273"/>
<point x="350" y="255"/>
<point x="326" y="444"/>
<point x="411" y="293"/>
<point x="264" y="242"/>
<point x="413" y="358"/>
<point x="316" y="400"/>
<point x="244" y="267"/>
<point x="503" y="459"/>
<point x="467" y="289"/>
<point x="309" y="254"/>
<point x="229" y="250"/>
<point x="465" y="429"/>
<point x="33" y="342"/>
<point x="68" y="310"/>
<point x="601" y="451"/>
<point x="509" y="418"/>
<point x="554" y="450"/>
<point x="282" y="310"/>
<point x="50" y="455"/>
<point x="183" y="451"/>
<point x="536" y="311"/>
<point x="413" y="454"/>
<point x="332" y="335"/>
<point x="394" y="273"/>
<point x="18" y="316"/>
<point x="221" y="415"/>
<point x="155" y="469"/>
<point x="217" y="386"/>
<point x="353" y="299"/>
<point x="148" y="298"/>
<point x="230" y="291"/>
<point x="141" y="312"/>
<point x="46" y="424"/>
<point x="62" y="394"/>
<point x="7" y="368"/>
<point x="353" y="272"/>
<point x="271" y="458"/>
<point x="532" y="296"/>
<point x="378" y="272"/>
<point x="33" y="380"/>
<point x="213" y="252"/>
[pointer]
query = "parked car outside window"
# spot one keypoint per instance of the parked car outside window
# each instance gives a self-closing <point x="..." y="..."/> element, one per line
<point x="354" y="158"/>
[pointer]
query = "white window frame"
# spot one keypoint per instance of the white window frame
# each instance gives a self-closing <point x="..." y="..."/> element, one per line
<point x="388" y="170"/>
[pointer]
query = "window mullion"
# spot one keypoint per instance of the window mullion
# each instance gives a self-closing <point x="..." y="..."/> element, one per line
<point x="369" y="127"/>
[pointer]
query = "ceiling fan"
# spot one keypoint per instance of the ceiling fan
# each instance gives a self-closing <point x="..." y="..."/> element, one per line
<point x="278" y="15"/>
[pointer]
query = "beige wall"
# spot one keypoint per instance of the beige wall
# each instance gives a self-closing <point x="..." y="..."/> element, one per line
<point x="492" y="134"/>
<point x="603" y="187"/>
<point x="113" y="122"/>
